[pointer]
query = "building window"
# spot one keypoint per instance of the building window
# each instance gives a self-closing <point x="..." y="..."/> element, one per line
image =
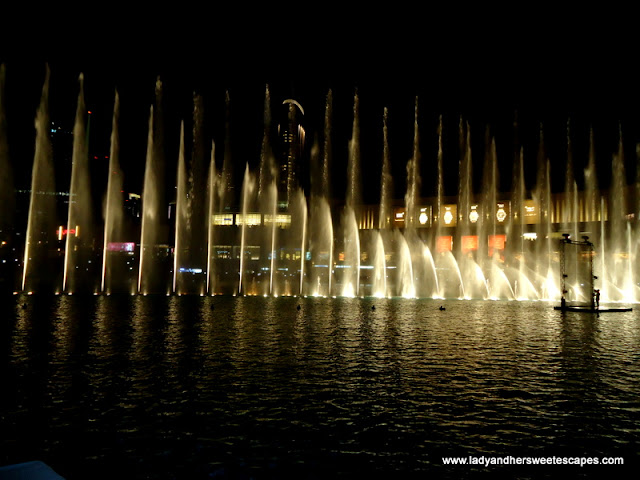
<point x="223" y="219"/>
<point x="283" y="220"/>
<point x="249" y="219"/>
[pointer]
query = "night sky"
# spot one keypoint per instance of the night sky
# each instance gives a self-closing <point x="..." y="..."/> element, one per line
<point x="540" y="72"/>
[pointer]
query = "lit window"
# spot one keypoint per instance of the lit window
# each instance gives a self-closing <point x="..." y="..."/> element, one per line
<point x="283" y="220"/>
<point x="249" y="219"/>
<point x="223" y="219"/>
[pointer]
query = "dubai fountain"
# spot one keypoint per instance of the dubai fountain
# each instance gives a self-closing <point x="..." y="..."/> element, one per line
<point x="275" y="239"/>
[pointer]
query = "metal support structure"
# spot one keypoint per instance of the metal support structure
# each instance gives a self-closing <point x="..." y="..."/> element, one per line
<point x="563" y="274"/>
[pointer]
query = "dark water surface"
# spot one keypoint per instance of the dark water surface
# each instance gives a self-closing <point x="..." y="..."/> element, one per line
<point x="224" y="387"/>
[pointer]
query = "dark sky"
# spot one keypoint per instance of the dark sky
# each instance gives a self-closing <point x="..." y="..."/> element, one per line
<point x="485" y="76"/>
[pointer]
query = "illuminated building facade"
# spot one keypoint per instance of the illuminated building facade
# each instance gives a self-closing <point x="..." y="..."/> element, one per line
<point x="291" y="143"/>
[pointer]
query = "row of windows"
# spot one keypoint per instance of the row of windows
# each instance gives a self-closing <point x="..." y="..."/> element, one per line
<point x="282" y="220"/>
<point x="252" y="252"/>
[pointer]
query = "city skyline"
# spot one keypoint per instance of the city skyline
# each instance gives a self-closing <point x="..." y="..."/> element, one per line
<point x="483" y="90"/>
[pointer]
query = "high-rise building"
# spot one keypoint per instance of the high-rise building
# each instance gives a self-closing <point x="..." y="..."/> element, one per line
<point x="291" y="140"/>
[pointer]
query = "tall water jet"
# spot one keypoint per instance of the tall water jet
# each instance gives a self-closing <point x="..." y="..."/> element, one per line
<point x="569" y="224"/>
<point x="297" y="237"/>
<point x="475" y="281"/>
<point x="569" y="219"/>
<point x="595" y="212"/>
<point x="592" y="199"/>
<point x="414" y="243"/>
<point x="630" y="288"/>
<point x="466" y="265"/>
<point x="382" y="238"/>
<point x="618" y="255"/>
<point x="552" y="283"/>
<point x="321" y="224"/>
<point x="440" y="267"/>
<point x="379" y="287"/>
<point x="328" y="218"/>
<point x="149" y="207"/>
<point x="351" y="246"/>
<point x="542" y="197"/>
<point x="113" y="214"/>
<point x="267" y="194"/>
<point x="303" y="241"/>
<point x="221" y="200"/>
<point x="190" y="249"/>
<point x="414" y="179"/>
<point x="498" y="284"/>
<point x="315" y="226"/>
<point x="273" y="203"/>
<point x="465" y="191"/>
<point x="405" y="277"/>
<point x="488" y="207"/>
<point x="212" y="189"/>
<point x="354" y="193"/>
<point x="386" y="180"/>
<point x="491" y="261"/>
<point x="151" y="277"/>
<point x="437" y="214"/>
<point x="327" y="149"/>
<point x="440" y="180"/>
<point x="195" y="241"/>
<point x="515" y="231"/>
<point x="515" y="222"/>
<point x="79" y="218"/>
<point x="181" y="224"/>
<point x="226" y="188"/>
<point x="278" y="233"/>
<point x="431" y="268"/>
<point x="37" y="267"/>
<point x="450" y="282"/>
<point x="248" y="188"/>
<point x="321" y="243"/>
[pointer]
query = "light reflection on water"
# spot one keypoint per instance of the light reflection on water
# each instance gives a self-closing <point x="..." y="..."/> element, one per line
<point x="187" y="387"/>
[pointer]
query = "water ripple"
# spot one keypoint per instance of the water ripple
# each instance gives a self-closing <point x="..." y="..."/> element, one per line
<point x="164" y="387"/>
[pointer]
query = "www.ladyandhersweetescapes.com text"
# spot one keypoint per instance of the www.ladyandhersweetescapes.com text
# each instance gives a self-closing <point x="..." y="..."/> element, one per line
<point x="548" y="460"/>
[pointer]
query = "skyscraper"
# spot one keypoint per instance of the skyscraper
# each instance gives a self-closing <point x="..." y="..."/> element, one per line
<point x="291" y="139"/>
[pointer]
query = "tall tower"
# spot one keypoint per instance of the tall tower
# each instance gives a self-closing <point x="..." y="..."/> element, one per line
<point x="291" y="138"/>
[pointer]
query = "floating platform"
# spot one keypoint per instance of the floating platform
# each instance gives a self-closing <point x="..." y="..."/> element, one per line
<point x="587" y="309"/>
